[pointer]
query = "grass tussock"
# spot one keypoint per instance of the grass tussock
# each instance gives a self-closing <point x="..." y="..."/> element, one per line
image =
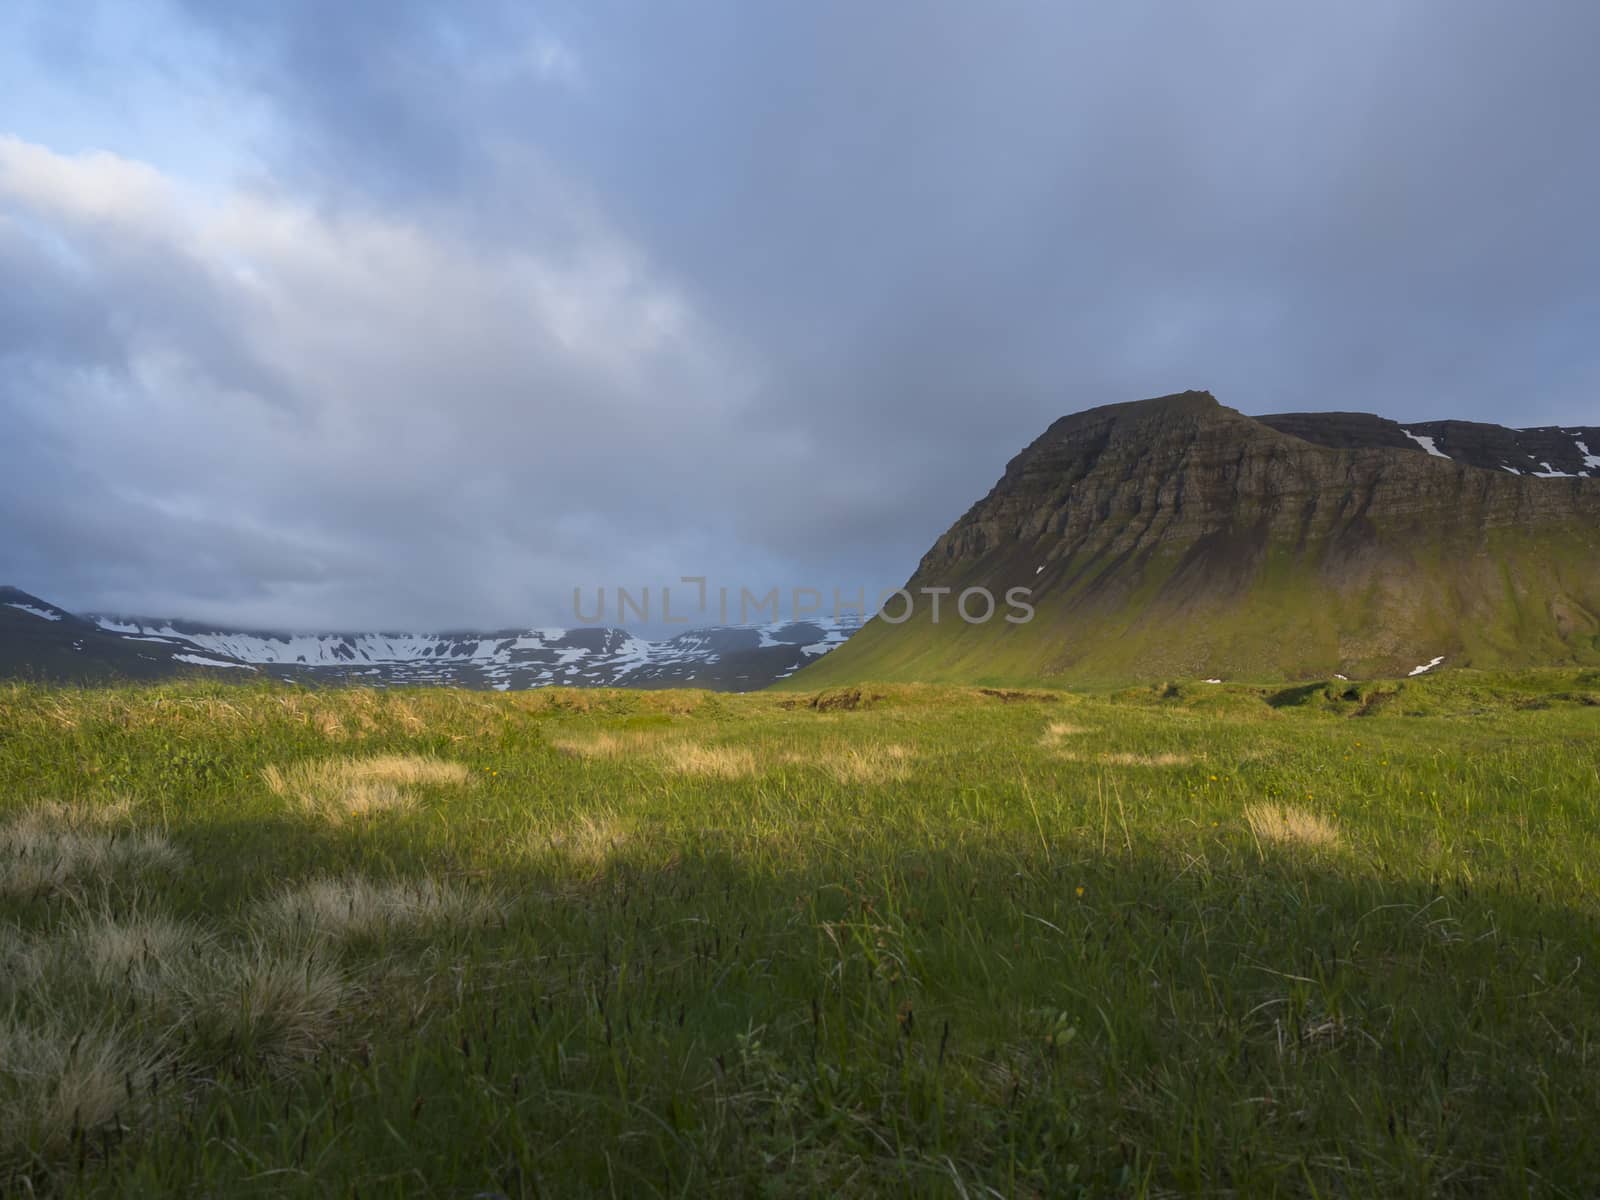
<point x="264" y="1001"/>
<point x="138" y="946"/>
<point x="60" y="1083"/>
<point x="350" y="906"/>
<point x="20" y="962"/>
<point x="340" y="788"/>
<point x="41" y="854"/>
<point x="1286" y="825"/>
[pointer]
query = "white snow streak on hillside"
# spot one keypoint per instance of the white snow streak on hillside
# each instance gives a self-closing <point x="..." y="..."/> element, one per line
<point x="201" y="660"/>
<point x="1426" y="443"/>
<point x="34" y="612"/>
<point x="1426" y="667"/>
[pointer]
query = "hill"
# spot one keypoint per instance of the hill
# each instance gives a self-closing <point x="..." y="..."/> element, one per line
<point x="1176" y="537"/>
<point x="41" y="641"/>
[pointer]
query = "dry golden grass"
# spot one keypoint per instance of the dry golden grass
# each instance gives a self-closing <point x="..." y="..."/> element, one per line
<point x="1285" y="825"/>
<point x="606" y="745"/>
<point x="351" y="906"/>
<point x="670" y="754"/>
<point x="871" y="763"/>
<point x="338" y="788"/>
<point x="1123" y="758"/>
<point x="1164" y="759"/>
<point x="716" y="762"/>
<point x="589" y="839"/>
<point x="1056" y="730"/>
<point x="59" y="1081"/>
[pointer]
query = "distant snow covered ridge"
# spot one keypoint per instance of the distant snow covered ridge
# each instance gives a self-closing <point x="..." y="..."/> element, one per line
<point x="346" y="649"/>
<point x="34" y="612"/>
<point x="739" y="657"/>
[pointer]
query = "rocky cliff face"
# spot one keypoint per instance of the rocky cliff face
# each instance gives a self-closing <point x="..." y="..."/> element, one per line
<point x="1549" y="452"/>
<point x="1175" y="536"/>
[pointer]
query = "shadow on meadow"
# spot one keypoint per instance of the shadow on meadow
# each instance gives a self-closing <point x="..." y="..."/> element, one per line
<point x="638" y="1017"/>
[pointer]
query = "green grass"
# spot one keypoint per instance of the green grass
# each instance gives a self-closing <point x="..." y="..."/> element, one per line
<point x="1507" y="598"/>
<point x="1322" y="940"/>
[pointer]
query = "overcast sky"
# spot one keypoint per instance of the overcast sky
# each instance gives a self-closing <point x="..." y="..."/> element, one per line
<point x="377" y="314"/>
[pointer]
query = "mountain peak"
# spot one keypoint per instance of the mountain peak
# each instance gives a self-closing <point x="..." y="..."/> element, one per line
<point x="1176" y="536"/>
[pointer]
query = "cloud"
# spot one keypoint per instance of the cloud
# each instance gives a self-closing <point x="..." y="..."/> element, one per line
<point x="492" y="302"/>
<point x="291" y="408"/>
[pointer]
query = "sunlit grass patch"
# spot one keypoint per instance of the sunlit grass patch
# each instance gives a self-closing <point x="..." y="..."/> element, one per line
<point x="337" y="788"/>
<point x="1127" y="758"/>
<point x="632" y="743"/>
<point x="887" y="762"/>
<point x="1286" y="825"/>
<point x="586" y="840"/>
<point x="717" y="762"/>
<point x="1056" y="730"/>
<point x="351" y="906"/>
<point x="672" y="754"/>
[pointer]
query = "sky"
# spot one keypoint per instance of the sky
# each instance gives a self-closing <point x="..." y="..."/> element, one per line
<point x="415" y="316"/>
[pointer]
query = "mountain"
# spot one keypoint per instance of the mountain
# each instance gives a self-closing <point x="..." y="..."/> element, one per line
<point x="41" y="641"/>
<point x="1175" y="537"/>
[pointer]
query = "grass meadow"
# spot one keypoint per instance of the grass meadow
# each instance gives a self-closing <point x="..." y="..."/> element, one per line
<point x="1330" y="940"/>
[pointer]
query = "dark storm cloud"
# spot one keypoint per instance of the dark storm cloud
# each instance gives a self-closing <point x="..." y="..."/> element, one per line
<point x="880" y="248"/>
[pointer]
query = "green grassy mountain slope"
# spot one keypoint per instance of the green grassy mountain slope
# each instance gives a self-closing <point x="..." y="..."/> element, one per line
<point x="1176" y="537"/>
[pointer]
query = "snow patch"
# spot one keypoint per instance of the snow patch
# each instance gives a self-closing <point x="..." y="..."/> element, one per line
<point x="201" y="661"/>
<point x="1211" y="681"/>
<point x="1550" y="472"/>
<point x="34" y="612"/>
<point x="1426" y="667"/>
<point x="1426" y="443"/>
<point x="1589" y="460"/>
